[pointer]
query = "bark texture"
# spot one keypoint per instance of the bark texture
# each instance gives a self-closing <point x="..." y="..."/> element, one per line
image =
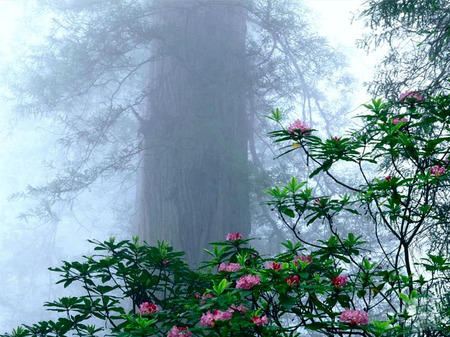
<point x="194" y="174"/>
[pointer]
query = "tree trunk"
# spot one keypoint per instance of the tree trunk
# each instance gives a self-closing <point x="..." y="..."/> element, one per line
<point x="193" y="186"/>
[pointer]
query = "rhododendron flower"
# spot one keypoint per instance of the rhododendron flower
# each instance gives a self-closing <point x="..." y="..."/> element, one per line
<point x="273" y="265"/>
<point x="230" y="267"/>
<point x="302" y="258"/>
<point x="292" y="281"/>
<point x="148" y="308"/>
<point x="298" y="128"/>
<point x="234" y="236"/>
<point x="240" y="308"/>
<point x="412" y="96"/>
<point x="320" y="202"/>
<point x="438" y="170"/>
<point x="354" y="317"/>
<point x="339" y="281"/>
<point x="209" y="317"/>
<point x="264" y="320"/>
<point x="223" y="315"/>
<point x="395" y="121"/>
<point x="248" y="282"/>
<point x="388" y="178"/>
<point x="179" y="332"/>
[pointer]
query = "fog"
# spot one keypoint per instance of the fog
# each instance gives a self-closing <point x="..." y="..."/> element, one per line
<point x="147" y="119"/>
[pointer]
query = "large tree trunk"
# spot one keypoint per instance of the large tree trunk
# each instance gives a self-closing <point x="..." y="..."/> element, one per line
<point x="193" y="186"/>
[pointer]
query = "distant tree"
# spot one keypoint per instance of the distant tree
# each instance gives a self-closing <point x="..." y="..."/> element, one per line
<point x="417" y="33"/>
<point x="176" y="89"/>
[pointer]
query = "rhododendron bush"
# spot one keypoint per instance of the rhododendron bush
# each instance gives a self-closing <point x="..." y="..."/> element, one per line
<point x="330" y="287"/>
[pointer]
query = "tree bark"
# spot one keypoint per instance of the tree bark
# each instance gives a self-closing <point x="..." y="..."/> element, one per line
<point x="193" y="181"/>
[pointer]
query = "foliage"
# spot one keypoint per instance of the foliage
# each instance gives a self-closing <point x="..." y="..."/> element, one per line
<point x="417" y="33"/>
<point x="294" y="290"/>
<point x="332" y="286"/>
<point x="402" y="154"/>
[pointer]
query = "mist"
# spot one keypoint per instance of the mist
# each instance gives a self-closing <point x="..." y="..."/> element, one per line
<point x="148" y="118"/>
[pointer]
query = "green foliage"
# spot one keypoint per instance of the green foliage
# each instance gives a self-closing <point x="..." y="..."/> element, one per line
<point x="331" y="286"/>
<point x="417" y="35"/>
<point x="405" y="142"/>
<point x="126" y="274"/>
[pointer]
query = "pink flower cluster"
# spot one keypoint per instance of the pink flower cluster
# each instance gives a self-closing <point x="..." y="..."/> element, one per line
<point x="302" y="258"/>
<point x="299" y="128"/>
<point x="438" y="170"/>
<point x="248" y="282"/>
<point x="354" y="317"/>
<point x="264" y="320"/>
<point x="412" y="96"/>
<point x="339" y="281"/>
<point x="234" y="236"/>
<point x="273" y="265"/>
<point x="231" y="267"/>
<point x="209" y="318"/>
<point x="292" y="281"/>
<point x="388" y="178"/>
<point x="240" y="308"/>
<point x="395" y="121"/>
<point x="179" y="332"/>
<point x="147" y="308"/>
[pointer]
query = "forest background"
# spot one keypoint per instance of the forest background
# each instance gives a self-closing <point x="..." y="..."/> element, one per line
<point x="77" y="220"/>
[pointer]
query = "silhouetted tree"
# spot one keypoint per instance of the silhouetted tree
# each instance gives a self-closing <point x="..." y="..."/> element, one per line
<point x="417" y="34"/>
<point x="178" y="89"/>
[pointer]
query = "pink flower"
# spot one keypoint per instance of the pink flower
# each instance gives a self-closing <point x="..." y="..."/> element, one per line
<point x="240" y="308"/>
<point x="264" y="320"/>
<point x="299" y="128"/>
<point x="395" y="121"/>
<point x="411" y="97"/>
<point x="292" y="281"/>
<point x="248" y="282"/>
<point x="273" y="265"/>
<point x="209" y="318"/>
<point x="234" y="236"/>
<point x="223" y="315"/>
<point x="338" y="139"/>
<point x="179" y="332"/>
<point x="320" y="202"/>
<point x="339" y="281"/>
<point x="354" y="317"/>
<point x="388" y="178"/>
<point x="438" y="170"/>
<point x="148" y="308"/>
<point x="302" y="258"/>
<point x="231" y="267"/>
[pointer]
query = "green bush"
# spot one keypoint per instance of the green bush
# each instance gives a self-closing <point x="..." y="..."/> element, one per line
<point x="328" y="286"/>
